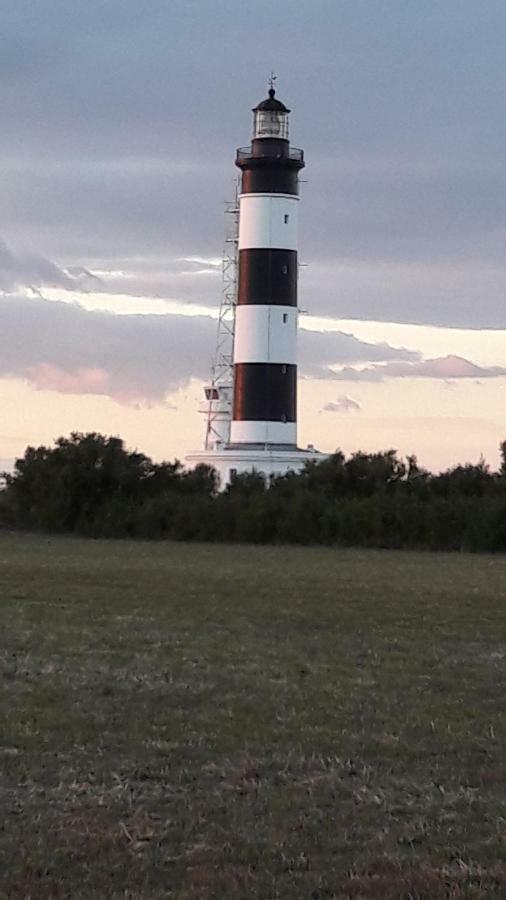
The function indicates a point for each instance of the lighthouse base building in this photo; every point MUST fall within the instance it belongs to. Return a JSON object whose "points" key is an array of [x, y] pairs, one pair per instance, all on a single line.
{"points": [[270, 461], [253, 411]]}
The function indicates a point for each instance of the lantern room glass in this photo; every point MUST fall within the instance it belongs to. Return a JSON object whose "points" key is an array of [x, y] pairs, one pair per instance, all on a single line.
{"points": [[271, 124]]}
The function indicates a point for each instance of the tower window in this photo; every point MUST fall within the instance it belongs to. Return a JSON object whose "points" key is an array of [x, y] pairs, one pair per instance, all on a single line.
{"points": [[284, 270], [286, 217], [283, 370], [285, 318]]}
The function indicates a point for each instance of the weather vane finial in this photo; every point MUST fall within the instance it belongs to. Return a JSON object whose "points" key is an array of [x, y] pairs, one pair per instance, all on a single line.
{"points": [[272, 80]]}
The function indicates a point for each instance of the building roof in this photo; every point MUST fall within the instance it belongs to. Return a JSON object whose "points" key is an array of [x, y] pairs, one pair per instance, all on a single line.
{"points": [[271, 104]]}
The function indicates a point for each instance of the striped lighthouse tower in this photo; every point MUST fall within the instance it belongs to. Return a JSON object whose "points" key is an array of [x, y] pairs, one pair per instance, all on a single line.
{"points": [[265, 345], [258, 430]]}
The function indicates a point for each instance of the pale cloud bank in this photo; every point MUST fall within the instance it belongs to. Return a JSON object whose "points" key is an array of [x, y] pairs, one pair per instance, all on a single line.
{"points": [[136, 358], [445, 367], [140, 358]]}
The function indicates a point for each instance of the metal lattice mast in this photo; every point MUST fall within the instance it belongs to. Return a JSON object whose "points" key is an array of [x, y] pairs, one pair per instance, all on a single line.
{"points": [[220, 393]]}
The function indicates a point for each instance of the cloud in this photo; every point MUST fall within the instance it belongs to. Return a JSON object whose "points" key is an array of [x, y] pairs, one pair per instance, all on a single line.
{"points": [[320, 350], [343, 404], [461, 292], [196, 279], [120, 121], [139, 358], [190, 280], [84, 380], [20, 270], [444, 368], [132, 358], [142, 359]]}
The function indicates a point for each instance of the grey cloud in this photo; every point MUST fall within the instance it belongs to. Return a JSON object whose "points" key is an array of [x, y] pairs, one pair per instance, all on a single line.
{"points": [[427, 252], [465, 294], [33, 270], [137, 358], [78, 210], [60, 346], [444, 368], [398, 209], [343, 404], [360, 79], [120, 120], [319, 350], [193, 281]]}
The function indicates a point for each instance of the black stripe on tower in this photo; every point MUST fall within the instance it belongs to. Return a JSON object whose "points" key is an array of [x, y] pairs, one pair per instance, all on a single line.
{"points": [[265, 392], [270, 180], [267, 277], [268, 167]]}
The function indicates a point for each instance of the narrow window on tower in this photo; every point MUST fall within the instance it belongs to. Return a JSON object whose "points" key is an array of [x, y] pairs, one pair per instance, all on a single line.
{"points": [[284, 270], [283, 370], [286, 218], [285, 318]]}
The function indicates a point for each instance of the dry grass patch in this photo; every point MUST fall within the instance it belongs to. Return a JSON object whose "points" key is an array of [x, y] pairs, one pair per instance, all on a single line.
{"points": [[268, 723]]}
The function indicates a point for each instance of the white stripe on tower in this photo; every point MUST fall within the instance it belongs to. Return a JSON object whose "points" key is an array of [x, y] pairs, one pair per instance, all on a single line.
{"points": [[268, 221], [265, 334]]}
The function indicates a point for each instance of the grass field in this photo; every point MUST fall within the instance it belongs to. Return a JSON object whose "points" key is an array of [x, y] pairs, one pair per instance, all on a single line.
{"points": [[196, 721]]}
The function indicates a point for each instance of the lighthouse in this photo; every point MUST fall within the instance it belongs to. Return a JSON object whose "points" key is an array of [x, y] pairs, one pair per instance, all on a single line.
{"points": [[255, 406], [265, 346]]}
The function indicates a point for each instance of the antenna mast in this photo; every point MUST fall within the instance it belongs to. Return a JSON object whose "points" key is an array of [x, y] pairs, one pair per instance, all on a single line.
{"points": [[219, 393]]}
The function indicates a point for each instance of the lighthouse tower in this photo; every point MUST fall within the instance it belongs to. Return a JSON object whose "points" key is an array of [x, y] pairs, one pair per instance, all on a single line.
{"points": [[265, 346], [263, 427]]}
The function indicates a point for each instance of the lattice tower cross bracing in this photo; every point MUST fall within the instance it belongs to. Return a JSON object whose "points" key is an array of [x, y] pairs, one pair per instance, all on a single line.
{"points": [[219, 393]]}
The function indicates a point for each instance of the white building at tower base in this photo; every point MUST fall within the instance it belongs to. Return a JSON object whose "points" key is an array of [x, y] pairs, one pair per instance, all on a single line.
{"points": [[231, 461]]}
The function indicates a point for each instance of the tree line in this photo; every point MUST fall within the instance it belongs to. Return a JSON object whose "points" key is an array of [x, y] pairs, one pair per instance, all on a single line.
{"points": [[91, 485]]}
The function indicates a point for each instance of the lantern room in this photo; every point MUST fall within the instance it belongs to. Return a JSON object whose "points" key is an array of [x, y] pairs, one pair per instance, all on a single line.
{"points": [[270, 118]]}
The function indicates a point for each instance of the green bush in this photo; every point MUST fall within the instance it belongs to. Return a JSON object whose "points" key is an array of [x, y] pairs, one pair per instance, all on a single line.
{"points": [[91, 485]]}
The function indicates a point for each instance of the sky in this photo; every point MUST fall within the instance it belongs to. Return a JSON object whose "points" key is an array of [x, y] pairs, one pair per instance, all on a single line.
{"points": [[119, 126]]}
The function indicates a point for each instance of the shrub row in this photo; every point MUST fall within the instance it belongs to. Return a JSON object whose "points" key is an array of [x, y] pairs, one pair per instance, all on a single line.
{"points": [[91, 485]]}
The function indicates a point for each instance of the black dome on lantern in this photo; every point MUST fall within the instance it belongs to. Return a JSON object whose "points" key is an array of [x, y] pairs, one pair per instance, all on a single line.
{"points": [[271, 104]]}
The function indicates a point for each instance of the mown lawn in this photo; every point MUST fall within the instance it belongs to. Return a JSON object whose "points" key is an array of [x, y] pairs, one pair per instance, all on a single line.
{"points": [[189, 721]]}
